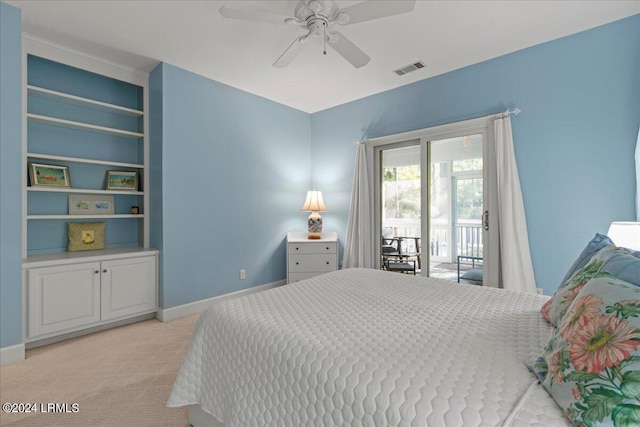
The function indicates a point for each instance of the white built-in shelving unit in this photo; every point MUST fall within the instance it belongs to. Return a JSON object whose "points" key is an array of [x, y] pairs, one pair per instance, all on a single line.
{"points": [[104, 286]]}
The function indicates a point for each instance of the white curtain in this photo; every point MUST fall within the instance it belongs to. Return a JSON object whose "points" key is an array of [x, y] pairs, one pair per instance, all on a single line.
{"points": [[638, 177], [359, 246], [516, 268]]}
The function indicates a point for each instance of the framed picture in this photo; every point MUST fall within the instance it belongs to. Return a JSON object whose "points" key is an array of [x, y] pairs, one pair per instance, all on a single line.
{"points": [[49, 175], [90, 205], [122, 180], [85, 236]]}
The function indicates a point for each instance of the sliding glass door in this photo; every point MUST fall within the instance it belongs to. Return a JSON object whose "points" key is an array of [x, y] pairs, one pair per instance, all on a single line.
{"points": [[430, 196], [400, 189], [456, 208]]}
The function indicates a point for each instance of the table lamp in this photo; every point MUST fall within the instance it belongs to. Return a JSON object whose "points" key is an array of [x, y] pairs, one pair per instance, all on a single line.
{"points": [[314, 203], [625, 234]]}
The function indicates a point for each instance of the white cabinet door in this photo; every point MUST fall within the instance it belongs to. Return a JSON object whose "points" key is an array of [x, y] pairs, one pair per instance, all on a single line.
{"points": [[63, 298], [128, 287]]}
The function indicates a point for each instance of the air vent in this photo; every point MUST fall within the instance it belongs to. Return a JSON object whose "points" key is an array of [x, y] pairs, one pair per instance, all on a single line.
{"points": [[409, 68]]}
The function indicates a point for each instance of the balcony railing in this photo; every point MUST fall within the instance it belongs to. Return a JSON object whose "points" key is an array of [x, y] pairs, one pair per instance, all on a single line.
{"points": [[469, 239], [468, 236], [394, 227], [439, 242]]}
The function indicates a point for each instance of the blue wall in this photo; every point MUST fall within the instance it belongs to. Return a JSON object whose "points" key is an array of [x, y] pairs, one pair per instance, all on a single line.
{"points": [[10, 172], [235, 171], [574, 141]]}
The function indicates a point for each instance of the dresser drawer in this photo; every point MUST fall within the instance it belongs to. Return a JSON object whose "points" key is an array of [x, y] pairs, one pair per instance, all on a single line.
{"points": [[299, 263], [296, 277], [313, 248]]}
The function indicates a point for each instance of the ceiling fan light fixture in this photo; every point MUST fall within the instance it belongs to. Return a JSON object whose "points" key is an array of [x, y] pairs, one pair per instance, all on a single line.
{"points": [[332, 37], [342, 18], [292, 21]]}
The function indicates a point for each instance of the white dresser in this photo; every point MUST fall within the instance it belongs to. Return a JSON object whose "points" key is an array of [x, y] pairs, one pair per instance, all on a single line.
{"points": [[310, 257]]}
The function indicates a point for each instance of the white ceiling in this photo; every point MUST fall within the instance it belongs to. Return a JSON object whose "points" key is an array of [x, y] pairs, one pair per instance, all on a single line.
{"points": [[446, 35]]}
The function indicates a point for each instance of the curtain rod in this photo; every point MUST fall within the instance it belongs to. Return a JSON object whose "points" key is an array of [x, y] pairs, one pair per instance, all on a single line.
{"points": [[507, 113], [502, 115]]}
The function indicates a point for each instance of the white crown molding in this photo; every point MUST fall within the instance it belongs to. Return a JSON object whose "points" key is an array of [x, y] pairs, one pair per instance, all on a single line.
{"points": [[169, 314], [56, 52], [11, 354]]}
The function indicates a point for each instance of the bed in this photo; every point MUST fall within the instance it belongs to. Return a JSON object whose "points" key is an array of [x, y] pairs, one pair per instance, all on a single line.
{"points": [[362, 347]]}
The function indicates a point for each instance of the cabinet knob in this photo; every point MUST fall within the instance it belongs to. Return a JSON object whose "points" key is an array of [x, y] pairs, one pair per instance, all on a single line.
{"points": [[104, 271], [327, 247], [327, 262], [297, 263], [97, 271], [297, 248]]}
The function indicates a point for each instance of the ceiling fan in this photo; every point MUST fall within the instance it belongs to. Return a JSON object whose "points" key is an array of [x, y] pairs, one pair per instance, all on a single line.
{"points": [[319, 18]]}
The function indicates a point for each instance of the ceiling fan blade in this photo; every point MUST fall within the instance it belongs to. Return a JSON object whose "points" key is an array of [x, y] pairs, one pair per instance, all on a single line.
{"points": [[291, 52], [348, 50], [250, 15], [369, 10]]}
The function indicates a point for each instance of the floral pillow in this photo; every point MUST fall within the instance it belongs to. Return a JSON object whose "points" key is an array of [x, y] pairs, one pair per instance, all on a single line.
{"points": [[555, 308], [594, 246], [591, 366]]}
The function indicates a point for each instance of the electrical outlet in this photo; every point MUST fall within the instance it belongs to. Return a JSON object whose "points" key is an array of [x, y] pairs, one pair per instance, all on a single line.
{"points": [[243, 274]]}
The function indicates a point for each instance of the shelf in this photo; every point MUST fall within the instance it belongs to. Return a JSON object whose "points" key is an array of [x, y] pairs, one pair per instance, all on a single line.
{"points": [[60, 258], [82, 126], [85, 191], [112, 216], [83, 102], [82, 160]]}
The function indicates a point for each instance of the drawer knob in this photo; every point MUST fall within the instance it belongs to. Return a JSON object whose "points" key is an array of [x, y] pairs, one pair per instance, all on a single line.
{"points": [[327, 247], [327, 262], [97, 271], [297, 263], [104, 271], [297, 248]]}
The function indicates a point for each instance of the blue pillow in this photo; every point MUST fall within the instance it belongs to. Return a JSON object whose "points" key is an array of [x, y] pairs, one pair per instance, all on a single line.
{"points": [[599, 242], [473, 274], [623, 264]]}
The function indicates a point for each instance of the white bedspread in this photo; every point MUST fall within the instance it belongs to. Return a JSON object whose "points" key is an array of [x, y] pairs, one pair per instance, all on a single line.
{"points": [[369, 348]]}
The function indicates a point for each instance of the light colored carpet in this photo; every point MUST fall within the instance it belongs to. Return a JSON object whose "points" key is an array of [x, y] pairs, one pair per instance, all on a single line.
{"points": [[119, 377]]}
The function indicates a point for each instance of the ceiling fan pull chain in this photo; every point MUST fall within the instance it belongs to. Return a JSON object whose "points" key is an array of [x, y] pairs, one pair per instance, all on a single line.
{"points": [[324, 38]]}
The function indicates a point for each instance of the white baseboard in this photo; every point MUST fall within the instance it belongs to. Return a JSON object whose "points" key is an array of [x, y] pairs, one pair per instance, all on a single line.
{"points": [[168, 314], [11, 354]]}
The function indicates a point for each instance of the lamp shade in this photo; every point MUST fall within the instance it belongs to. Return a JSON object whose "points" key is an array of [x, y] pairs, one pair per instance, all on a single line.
{"points": [[625, 234], [314, 202]]}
